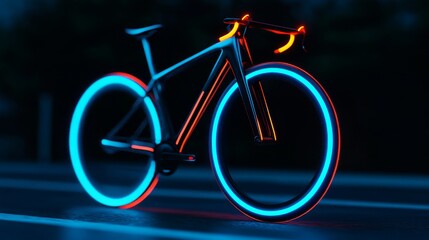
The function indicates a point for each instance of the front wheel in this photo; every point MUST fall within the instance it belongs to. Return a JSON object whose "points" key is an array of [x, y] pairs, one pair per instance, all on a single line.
{"points": [[283, 179]]}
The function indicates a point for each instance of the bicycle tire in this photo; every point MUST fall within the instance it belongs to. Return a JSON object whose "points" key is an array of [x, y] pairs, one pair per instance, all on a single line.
{"points": [[135, 87], [309, 197]]}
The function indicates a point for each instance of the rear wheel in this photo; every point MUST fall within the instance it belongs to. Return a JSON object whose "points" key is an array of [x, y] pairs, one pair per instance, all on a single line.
{"points": [[100, 149], [284, 179]]}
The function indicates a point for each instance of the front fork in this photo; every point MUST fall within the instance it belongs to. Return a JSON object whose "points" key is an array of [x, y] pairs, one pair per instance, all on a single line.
{"points": [[253, 96]]}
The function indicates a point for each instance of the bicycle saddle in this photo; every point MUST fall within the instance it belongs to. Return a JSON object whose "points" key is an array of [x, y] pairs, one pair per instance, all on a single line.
{"points": [[143, 32]]}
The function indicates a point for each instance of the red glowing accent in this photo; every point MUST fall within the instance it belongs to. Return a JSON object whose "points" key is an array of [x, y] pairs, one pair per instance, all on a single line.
{"points": [[143, 148], [277, 31], [247, 49], [338, 151], [189, 118], [143, 196], [337, 157], [203, 106], [245, 16], [301, 29], [268, 112], [259, 130], [190, 158], [129, 76]]}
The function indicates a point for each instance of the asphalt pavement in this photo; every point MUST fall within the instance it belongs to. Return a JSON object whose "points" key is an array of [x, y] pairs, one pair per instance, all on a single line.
{"points": [[45, 201]]}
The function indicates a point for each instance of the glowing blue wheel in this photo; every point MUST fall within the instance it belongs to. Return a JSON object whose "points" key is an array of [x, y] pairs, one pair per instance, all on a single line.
{"points": [[109, 111], [286, 177]]}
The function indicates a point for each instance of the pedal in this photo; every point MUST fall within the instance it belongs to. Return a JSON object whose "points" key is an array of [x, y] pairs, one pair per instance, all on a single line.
{"points": [[178, 157]]}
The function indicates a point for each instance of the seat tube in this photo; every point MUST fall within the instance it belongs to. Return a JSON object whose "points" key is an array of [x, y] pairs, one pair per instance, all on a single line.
{"points": [[148, 54]]}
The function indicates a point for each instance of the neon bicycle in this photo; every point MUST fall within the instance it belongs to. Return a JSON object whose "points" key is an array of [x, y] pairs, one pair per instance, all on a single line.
{"points": [[251, 114]]}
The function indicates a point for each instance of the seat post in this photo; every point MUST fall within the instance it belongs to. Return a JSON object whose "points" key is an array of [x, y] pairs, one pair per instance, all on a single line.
{"points": [[143, 34], [148, 54]]}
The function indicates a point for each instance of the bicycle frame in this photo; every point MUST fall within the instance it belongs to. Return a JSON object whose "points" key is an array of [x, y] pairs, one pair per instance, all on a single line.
{"points": [[164, 146], [229, 59]]}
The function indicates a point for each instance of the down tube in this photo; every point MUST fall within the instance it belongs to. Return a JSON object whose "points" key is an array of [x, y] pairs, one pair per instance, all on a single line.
{"points": [[210, 88]]}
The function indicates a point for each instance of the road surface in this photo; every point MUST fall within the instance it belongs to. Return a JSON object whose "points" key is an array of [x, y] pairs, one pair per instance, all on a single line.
{"points": [[47, 202]]}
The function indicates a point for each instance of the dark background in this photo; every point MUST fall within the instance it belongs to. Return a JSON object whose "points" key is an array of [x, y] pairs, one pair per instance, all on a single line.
{"points": [[371, 56]]}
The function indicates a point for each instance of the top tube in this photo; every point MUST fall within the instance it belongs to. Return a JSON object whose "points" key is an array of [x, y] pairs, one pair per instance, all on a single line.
{"points": [[219, 46]]}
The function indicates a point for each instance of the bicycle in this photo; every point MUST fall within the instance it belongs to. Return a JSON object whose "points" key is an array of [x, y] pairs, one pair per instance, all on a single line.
{"points": [[153, 140]]}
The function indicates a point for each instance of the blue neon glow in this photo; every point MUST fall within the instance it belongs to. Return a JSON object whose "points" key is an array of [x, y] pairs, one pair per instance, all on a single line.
{"points": [[74, 139], [328, 153], [136, 31], [148, 55], [111, 143]]}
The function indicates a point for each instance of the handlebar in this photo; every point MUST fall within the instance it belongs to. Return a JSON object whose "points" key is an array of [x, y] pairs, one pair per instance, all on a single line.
{"points": [[249, 23]]}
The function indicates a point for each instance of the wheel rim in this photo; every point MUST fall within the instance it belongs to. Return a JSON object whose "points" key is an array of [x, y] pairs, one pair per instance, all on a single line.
{"points": [[75, 142], [322, 176]]}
